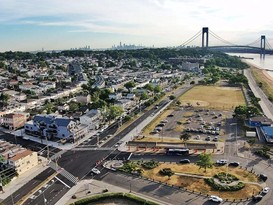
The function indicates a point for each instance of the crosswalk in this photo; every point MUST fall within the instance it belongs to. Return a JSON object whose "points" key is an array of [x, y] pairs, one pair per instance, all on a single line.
{"points": [[63, 172]]}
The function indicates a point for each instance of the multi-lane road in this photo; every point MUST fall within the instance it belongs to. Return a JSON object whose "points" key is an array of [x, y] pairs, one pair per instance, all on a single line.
{"points": [[76, 164]]}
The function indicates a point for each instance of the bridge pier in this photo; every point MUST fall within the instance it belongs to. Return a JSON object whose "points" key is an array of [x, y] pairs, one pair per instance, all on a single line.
{"points": [[263, 44], [205, 30]]}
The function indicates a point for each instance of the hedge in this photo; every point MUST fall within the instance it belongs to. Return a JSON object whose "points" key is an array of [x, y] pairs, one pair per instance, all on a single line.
{"points": [[220, 187], [101, 197]]}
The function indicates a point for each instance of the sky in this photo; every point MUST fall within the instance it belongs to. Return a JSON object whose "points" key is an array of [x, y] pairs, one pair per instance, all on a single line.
{"points": [[30, 25]]}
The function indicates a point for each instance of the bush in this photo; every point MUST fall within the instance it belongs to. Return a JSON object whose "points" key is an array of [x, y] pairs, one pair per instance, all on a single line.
{"points": [[166, 172], [91, 200], [219, 187], [262, 153], [149, 164], [226, 177]]}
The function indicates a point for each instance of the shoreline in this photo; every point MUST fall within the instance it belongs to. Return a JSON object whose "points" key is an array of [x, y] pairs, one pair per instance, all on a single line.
{"points": [[264, 71]]}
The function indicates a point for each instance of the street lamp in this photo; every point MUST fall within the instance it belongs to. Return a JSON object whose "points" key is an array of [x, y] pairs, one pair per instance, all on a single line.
{"points": [[45, 200]]}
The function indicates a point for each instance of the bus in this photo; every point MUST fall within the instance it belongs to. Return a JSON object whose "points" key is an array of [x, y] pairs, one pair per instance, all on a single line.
{"points": [[178, 151]]}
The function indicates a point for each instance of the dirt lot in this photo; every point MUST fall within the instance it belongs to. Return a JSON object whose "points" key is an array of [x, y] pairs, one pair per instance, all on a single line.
{"points": [[213, 97]]}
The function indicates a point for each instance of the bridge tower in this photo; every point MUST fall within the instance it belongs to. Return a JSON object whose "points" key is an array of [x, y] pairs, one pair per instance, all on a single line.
{"points": [[262, 44], [205, 30]]}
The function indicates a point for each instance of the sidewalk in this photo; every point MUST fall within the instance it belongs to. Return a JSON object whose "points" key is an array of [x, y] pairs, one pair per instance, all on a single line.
{"points": [[59, 145], [20, 181], [87, 188]]}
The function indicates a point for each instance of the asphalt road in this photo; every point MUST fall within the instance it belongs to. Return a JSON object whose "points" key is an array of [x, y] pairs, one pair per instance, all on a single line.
{"points": [[78, 163]]}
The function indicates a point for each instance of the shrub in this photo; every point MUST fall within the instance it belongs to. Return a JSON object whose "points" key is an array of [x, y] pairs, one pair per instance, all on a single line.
{"points": [[226, 177], [91, 200], [219, 187], [262, 153], [149, 164], [166, 172]]}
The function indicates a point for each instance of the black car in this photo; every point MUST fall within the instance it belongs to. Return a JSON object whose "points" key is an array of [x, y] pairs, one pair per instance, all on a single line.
{"points": [[263, 177], [170, 115], [234, 164], [185, 161], [257, 198]]}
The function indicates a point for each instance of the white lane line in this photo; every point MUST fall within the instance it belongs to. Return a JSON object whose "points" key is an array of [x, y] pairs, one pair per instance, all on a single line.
{"points": [[62, 182]]}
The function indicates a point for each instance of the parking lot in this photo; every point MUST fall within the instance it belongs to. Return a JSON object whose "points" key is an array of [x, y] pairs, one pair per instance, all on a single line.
{"points": [[202, 124]]}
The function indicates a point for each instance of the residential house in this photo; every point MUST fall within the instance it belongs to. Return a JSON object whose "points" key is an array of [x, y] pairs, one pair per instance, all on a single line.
{"points": [[92, 119], [83, 99], [21, 159], [14, 121], [54, 126]]}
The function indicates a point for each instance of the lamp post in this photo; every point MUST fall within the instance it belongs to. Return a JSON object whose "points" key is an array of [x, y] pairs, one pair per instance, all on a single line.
{"points": [[130, 187], [44, 199]]}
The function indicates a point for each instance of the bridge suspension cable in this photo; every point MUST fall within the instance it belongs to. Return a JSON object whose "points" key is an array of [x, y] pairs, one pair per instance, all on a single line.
{"points": [[221, 39], [191, 39], [254, 42], [268, 45]]}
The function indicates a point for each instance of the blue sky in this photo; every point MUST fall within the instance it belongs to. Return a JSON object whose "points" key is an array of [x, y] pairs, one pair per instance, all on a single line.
{"points": [[30, 25]]}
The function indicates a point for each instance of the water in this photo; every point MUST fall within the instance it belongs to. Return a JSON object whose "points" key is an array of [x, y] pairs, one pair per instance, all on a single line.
{"points": [[265, 62]]}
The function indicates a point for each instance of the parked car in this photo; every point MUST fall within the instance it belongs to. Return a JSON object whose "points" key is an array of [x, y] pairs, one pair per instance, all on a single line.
{"points": [[95, 171], [185, 161], [221, 161], [234, 164], [197, 137], [263, 177], [257, 198], [207, 138], [265, 190], [215, 199], [215, 139]]}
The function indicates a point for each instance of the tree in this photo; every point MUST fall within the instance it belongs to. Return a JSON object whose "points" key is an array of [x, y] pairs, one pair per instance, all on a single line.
{"points": [[73, 106], [4, 98], [205, 161], [171, 97], [115, 111], [157, 89], [149, 87], [129, 85], [185, 136], [144, 96]]}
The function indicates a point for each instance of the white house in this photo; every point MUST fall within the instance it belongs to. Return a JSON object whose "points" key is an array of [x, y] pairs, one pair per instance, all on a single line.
{"points": [[92, 119]]}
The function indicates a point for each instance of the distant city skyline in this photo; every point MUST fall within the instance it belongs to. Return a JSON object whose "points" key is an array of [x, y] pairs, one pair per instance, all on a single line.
{"points": [[29, 25]]}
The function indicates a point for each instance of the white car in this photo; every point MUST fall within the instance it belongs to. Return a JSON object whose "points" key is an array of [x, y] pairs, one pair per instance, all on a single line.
{"points": [[265, 190], [215, 198], [221, 161], [95, 171]]}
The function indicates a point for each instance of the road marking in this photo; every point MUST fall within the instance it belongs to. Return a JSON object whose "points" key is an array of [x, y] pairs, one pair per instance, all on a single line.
{"points": [[62, 182], [52, 191], [25, 198]]}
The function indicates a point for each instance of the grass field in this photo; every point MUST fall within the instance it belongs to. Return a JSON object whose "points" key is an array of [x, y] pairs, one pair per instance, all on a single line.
{"points": [[199, 185], [261, 77], [214, 97]]}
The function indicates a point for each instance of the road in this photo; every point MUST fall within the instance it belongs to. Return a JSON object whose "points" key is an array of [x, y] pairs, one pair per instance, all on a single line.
{"points": [[79, 163], [266, 105]]}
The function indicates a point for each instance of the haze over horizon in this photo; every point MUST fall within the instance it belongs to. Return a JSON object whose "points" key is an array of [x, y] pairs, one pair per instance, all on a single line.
{"points": [[29, 25]]}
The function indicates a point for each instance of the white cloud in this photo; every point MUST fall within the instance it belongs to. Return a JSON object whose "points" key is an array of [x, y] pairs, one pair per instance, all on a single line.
{"points": [[172, 21]]}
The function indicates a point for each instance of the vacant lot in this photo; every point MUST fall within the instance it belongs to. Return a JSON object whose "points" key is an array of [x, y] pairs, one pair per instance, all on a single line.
{"points": [[214, 97], [199, 185]]}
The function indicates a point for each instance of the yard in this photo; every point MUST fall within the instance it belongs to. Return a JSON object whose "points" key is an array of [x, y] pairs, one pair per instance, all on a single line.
{"points": [[199, 185], [213, 97]]}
